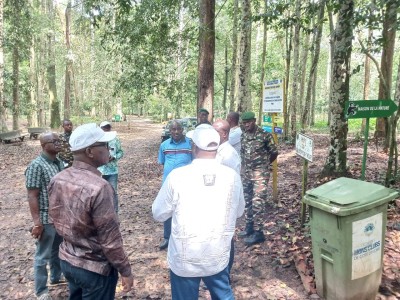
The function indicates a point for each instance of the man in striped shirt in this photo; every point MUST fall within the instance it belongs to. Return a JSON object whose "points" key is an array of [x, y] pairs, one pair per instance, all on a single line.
{"points": [[174, 153]]}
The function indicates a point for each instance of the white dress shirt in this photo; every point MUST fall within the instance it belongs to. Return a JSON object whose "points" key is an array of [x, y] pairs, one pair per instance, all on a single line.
{"points": [[234, 138], [204, 200], [228, 156]]}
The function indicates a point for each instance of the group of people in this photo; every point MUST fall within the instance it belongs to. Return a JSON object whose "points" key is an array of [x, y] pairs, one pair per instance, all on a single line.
{"points": [[75, 224], [211, 176]]}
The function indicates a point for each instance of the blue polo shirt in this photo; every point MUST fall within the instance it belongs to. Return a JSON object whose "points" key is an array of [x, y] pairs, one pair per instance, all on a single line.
{"points": [[174, 155]]}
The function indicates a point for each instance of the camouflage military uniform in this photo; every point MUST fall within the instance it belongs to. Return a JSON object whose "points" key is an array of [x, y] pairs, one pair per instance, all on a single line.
{"points": [[65, 154], [255, 153]]}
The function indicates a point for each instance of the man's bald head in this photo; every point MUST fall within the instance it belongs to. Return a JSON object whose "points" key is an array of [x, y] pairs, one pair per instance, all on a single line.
{"points": [[222, 127], [233, 119], [50, 142]]}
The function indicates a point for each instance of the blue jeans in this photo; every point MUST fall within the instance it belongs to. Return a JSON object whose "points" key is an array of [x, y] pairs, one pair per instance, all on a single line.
{"points": [[167, 228], [113, 180], [187, 288], [46, 253], [87, 285]]}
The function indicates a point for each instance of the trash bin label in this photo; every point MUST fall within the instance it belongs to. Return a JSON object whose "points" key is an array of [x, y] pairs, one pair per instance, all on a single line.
{"points": [[367, 246]]}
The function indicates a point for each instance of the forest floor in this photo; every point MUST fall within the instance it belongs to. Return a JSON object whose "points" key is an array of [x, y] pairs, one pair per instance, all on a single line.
{"points": [[279, 268]]}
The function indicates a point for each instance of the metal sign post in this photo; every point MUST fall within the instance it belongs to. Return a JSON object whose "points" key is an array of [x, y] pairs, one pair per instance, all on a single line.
{"points": [[304, 148]]}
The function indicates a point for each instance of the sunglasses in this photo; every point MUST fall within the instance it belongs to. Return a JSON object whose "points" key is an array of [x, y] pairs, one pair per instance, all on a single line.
{"points": [[55, 142]]}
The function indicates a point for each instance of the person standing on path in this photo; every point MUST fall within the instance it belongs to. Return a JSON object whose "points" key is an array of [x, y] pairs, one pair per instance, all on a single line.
{"points": [[204, 200], [38, 175], [110, 170], [65, 154], [175, 152], [235, 132], [81, 206], [257, 153], [203, 117]]}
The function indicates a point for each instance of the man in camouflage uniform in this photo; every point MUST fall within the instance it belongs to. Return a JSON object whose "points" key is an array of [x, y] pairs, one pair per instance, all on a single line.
{"points": [[65, 155], [258, 151]]}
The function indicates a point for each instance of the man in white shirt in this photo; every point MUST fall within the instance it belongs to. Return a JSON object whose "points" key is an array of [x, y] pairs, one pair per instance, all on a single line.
{"points": [[235, 131], [204, 200], [226, 154]]}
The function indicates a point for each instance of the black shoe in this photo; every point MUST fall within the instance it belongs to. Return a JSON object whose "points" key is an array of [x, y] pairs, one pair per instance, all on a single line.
{"points": [[256, 238], [247, 231], [164, 244]]}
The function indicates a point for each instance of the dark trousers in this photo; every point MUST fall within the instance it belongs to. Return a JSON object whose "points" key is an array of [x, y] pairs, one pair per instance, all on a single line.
{"points": [[87, 285]]}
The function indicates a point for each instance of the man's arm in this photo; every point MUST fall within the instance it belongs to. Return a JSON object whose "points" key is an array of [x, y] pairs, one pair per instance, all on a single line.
{"points": [[33, 201], [162, 206], [119, 153], [161, 156]]}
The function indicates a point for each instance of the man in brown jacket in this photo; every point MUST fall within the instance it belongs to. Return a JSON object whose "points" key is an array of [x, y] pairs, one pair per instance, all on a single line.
{"points": [[81, 206]]}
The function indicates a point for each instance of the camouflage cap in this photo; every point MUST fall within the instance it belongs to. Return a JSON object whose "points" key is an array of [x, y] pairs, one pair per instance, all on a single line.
{"points": [[203, 110], [248, 115]]}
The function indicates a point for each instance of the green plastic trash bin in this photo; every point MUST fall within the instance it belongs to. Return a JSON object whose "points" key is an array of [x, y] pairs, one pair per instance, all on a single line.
{"points": [[348, 223], [117, 118]]}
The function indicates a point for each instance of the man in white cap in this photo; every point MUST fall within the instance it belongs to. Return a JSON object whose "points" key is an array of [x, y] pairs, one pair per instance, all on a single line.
{"points": [[204, 200], [81, 207], [109, 171]]}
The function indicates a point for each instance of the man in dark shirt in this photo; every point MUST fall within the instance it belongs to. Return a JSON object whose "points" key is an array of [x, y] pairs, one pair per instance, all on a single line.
{"points": [[38, 175], [81, 206], [65, 154], [203, 117]]}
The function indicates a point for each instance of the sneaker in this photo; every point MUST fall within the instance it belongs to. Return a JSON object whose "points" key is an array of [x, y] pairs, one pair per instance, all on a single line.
{"points": [[45, 296]]}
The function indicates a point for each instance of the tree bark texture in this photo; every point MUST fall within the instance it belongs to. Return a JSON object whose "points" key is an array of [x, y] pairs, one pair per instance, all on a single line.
{"points": [[15, 89], [295, 81], [244, 92], [385, 83], [263, 62], [3, 125], [317, 46], [68, 64], [205, 79], [367, 75], [234, 73], [337, 157]]}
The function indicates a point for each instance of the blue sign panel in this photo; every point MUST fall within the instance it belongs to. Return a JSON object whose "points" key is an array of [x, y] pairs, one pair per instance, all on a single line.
{"points": [[267, 128], [278, 130]]}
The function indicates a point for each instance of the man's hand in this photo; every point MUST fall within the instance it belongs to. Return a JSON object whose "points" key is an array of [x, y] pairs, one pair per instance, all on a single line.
{"points": [[127, 283], [37, 231]]}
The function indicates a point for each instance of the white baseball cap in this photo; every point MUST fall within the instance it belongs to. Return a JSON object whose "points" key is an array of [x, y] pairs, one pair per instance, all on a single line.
{"points": [[104, 123], [205, 136], [87, 134]]}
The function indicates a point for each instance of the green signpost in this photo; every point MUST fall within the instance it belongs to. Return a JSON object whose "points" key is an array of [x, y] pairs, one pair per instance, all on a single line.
{"points": [[368, 109]]}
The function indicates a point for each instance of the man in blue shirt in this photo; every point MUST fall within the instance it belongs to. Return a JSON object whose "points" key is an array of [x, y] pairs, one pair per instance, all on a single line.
{"points": [[174, 153]]}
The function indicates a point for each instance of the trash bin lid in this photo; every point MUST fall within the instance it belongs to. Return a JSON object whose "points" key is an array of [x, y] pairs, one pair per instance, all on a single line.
{"points": [[347, 196]]}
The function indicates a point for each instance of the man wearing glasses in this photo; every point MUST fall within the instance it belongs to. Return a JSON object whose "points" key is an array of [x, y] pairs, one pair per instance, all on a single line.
{"points": [[82, 208], [38, 175]]}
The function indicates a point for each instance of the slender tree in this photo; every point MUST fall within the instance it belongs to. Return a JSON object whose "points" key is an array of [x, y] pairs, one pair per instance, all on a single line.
{"points": [[234, 73], [205, 81], [3, 125]]}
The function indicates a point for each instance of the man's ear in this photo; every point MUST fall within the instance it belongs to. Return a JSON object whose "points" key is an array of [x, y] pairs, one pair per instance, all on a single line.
{"points": [[88, 152]]}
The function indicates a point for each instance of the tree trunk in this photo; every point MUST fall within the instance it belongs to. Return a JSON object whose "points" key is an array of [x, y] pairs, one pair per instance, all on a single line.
{"points": [[314, 63], [205, 80], [225, 79], [15, 80], [385, 83], [296, 54], [367, 75], [263, 61], [68, 64], [55, 121], [337, 156], [234, 72], [331, 53], [288, 46], [3, 125], [244, 93], [303, 69]]}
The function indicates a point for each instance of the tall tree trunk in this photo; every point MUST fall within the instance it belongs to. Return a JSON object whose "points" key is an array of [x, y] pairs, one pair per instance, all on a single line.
{"points": [[314, 63], [68, 63], [55, 121], [331, 53], [32, 113], [15, 80], [288, 46], [226, 75], [234, 73], [303, 68], [294, 92], [391, 173], [385, 83], [3, 125], [205, 79], [263, 61], [244, 93], [337, 157], [367, 75]]}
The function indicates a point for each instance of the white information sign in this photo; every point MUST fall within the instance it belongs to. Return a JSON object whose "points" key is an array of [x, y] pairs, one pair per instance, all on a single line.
{"points": [[273, 96], [304, 146], [367, 246]]}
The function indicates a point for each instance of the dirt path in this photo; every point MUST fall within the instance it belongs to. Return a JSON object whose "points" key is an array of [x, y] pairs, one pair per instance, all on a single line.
{"points": [[259, 272]]}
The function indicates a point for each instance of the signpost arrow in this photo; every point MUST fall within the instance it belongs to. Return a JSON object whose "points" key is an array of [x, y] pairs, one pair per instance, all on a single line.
{"points": [[369, 109]]}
